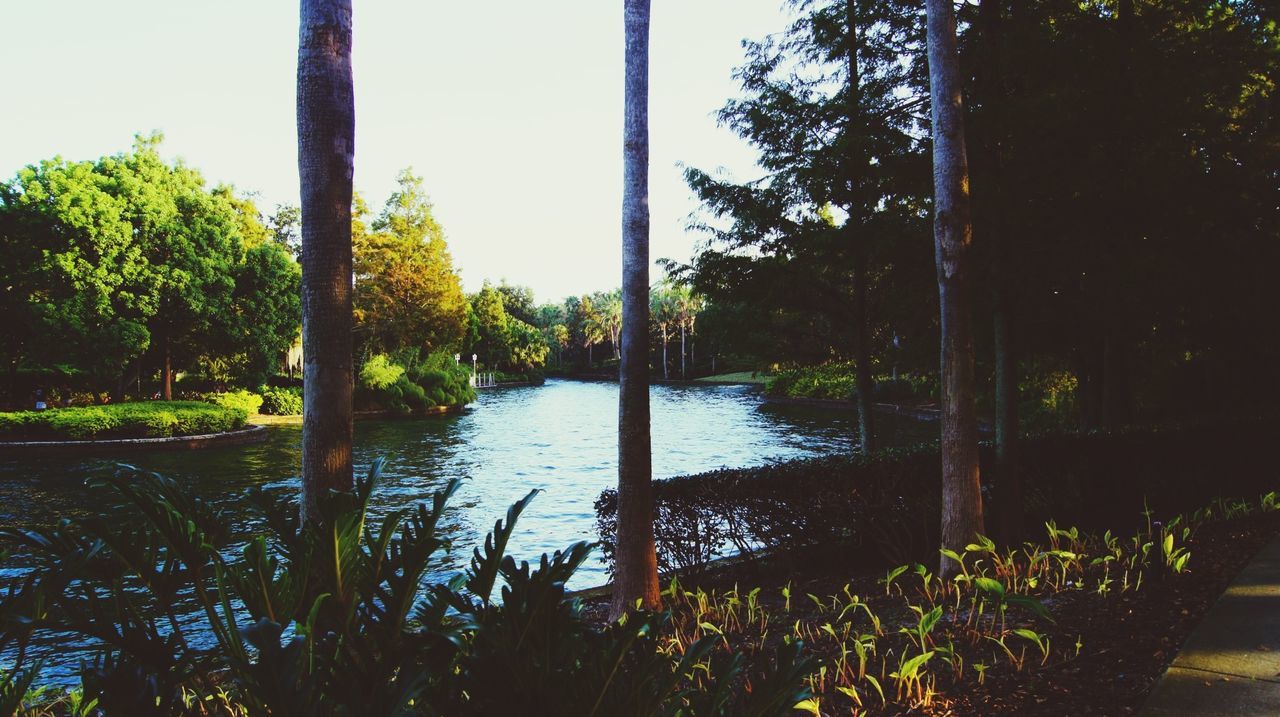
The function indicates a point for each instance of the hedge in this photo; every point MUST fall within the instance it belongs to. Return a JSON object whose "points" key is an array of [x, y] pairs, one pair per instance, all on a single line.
{"points": [[885, 509], [149, 419]]}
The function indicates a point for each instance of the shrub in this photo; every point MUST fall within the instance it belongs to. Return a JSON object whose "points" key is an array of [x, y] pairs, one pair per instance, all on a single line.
{"points": [[146, 419], [886, 507], [240, 400], [337, 622], [832, 381], [380, 373], [285, 401]]}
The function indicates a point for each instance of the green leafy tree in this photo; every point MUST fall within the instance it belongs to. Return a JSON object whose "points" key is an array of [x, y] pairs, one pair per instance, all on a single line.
{"points": [[407, 295]]}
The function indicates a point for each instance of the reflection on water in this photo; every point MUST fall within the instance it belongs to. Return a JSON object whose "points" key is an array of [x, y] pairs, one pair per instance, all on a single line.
{"points": [[560, 438]]}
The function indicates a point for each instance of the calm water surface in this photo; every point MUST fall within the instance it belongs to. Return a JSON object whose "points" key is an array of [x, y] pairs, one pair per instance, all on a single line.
{"points": [[560, 438]]}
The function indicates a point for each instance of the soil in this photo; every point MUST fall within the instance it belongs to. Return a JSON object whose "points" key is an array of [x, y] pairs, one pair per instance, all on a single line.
{"points": [[1127, 638]]}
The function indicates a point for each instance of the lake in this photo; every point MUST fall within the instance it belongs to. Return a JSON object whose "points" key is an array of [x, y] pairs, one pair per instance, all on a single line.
{"points": [[560, 438]]}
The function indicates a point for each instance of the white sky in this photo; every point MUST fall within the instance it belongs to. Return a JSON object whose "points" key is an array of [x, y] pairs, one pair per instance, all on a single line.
{"points": [[510, 109]]}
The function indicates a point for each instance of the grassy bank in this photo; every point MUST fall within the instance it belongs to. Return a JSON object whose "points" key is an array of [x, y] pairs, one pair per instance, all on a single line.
{"points": [[149, 419]]}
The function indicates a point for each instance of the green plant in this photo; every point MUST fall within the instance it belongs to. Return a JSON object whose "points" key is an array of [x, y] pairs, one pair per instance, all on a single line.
{"points": [[147, 419], [338, 619], [241, 400], [284, 401], [379, 372]]}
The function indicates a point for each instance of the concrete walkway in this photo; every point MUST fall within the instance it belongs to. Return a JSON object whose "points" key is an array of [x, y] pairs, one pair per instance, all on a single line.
{"points": [[1230, 665]]}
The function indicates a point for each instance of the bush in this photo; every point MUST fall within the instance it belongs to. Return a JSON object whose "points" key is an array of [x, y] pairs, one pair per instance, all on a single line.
{"points": [[885, 508], [342, 622], [286, 401], [832, 381], [379, 373], [147, 419], [241, 400]]}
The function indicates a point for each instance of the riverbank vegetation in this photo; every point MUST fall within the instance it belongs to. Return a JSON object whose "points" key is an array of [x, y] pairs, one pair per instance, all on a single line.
{"points": [[313, 623], [153, 419]]}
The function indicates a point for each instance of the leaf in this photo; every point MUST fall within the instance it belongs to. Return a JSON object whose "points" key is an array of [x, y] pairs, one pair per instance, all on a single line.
{"points": [[810, 705], [989, 585]]}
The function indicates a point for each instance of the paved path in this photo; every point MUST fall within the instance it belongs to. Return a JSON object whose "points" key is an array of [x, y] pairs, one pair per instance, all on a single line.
{"points": [[1230, 665]]}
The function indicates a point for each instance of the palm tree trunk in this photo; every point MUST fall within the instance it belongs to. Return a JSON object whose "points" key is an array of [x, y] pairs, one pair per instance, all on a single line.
{"points": [[636, 567], [953, 236], [326, 151], [682, 351], [666, 372]]}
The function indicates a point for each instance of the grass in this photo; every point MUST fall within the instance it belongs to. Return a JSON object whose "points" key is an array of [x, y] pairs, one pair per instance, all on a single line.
{"points": [[146, 419], [751, 377]]}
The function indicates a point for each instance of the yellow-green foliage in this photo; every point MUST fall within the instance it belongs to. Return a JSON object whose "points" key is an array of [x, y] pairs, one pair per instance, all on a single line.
{"points": [[242, 400], [150, 419]]}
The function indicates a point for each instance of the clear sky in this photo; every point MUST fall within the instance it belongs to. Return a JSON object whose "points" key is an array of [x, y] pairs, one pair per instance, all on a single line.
{"points": [[510, 109]]}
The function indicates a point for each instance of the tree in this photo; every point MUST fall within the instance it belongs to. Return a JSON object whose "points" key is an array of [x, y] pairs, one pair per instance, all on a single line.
{"points": [[663, 308], [326, 153], [953, 236], [74, 281], [829, 108], [636, 567], [407, 297]]}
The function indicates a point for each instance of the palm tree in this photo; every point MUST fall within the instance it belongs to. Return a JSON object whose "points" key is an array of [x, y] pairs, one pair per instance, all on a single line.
{"points": [[662, 306], [326, 160], [953, 236], [636, 562]]}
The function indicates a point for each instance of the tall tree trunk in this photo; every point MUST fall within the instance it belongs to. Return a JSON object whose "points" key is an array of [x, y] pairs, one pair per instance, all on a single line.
{"points": [[590, 360], [1008, 482], [636, 567], [666, 371], [682, 351], [326, 162], [858, 164], [865, 384], [167, 371], [953, 237]]}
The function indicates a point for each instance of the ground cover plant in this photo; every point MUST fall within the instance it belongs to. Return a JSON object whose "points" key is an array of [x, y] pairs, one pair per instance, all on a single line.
{"points": [[1068, 623], [144, 419], [340, 621]]}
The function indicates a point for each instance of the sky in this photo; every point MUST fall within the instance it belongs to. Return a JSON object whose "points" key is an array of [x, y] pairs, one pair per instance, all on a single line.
{"points": [[511, 110]]}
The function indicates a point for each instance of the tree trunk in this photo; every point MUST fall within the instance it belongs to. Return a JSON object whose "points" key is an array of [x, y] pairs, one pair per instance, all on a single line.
{"points": [[666, 372], [1008, 483], [682, 351], [636, 567], [326, 151], [865, 384], [953, 237], [590, 360], [858, 164], [167, 374]]}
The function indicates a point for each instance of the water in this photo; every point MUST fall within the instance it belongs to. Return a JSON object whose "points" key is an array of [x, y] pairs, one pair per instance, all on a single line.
{"points": [[560, 438]]}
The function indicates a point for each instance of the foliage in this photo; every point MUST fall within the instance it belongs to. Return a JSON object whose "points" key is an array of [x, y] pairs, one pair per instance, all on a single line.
{"points": [[379, 372], [240, 400], [831, 381], [147, 419], [407, 295], [110, 266], [886, 506], [340, 619], [909, 641], [436, 381], [282, 401]]}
